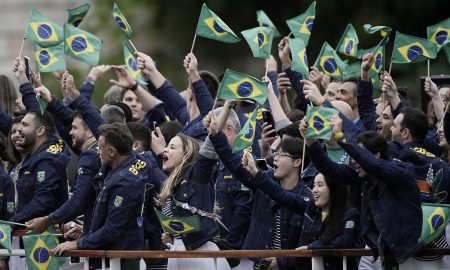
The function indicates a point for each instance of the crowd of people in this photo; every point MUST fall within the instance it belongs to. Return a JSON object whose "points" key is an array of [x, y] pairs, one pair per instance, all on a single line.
{"points": [[155, 168]]}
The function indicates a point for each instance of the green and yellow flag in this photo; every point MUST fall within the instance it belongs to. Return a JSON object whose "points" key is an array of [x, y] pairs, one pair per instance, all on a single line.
{"points": [[81, 45], [260, 40], [439, 33], [37, 252], [329, 62], [179, 225], [446, 48], [76, 15], [377, 66], [385, 32], [318, 119], [43, 31], [212, 27], [247, 134], [435, 218], [302, 25], [348, 45], [299, 58], [131, 64], [264, 20], [352, 70], [236, 85], [5, 236], [409, 49], [49, 59], [121, 21]]}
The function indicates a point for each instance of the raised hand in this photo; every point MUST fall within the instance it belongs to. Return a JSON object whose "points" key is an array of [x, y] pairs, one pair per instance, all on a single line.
{"points": [[336, 124], [367, 61], [283, 83], [431, 88], [68, 85], [124, 78], [158, 141], [303, 126], [96, 72], [19, 70], [388, 87], [284, 52], [45, 93], [145, 63], [315, 75], [249, 163], [191, 65], [312, 92]]}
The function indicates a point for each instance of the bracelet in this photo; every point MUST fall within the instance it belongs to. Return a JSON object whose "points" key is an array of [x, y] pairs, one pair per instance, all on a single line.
{"points": [[90, 79], [134, 87], [339, 135]]}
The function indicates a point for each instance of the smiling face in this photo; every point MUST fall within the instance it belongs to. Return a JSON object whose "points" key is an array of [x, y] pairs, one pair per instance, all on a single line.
{"points": [[135, 105], [284, 164], [384, 123], [16, 137], [27, 130], [173, 154], [78, 133], [321, 192]]}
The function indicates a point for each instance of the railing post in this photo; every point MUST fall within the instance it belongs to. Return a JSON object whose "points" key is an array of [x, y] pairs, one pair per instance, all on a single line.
{"points": [[114, 263], [103, 264], [344, 263], [317, 263], [86, 263]]}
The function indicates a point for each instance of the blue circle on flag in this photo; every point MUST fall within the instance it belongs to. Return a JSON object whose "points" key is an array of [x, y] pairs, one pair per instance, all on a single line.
{"points": [[378, 61], [218, 28], [265, 25], [249, 134], [176, 226], [261, 39], [414, 52], [1, 234], [132, 64], [120, 23], [349, 47], [437, 221], [44, 57], [79, 44], [41, 255], [245, 89], [44, 31], [310, 24], [441, 37], [330, 65], [318, 123], [305, 59]]}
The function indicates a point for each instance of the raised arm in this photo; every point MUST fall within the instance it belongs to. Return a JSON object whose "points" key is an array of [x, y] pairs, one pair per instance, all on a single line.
{"points": [[366, 106]]}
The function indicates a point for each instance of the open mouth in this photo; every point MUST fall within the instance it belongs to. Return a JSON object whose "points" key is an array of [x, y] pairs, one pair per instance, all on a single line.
{"points": [[164, 158]]}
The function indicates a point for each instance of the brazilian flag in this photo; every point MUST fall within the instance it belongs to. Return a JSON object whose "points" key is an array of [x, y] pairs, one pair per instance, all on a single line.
{"points": [[131, 64], [81, 45], [37, 252], [43, 31], [446, 48], [299, 57], [212, 27], [329, 62], [352, 70], [265, 21], [439, 33], [76, 15], [121, 21], [260, 40], [385, 32], [247, 134], [5, 236], [236, 85], [318, 119], [49, 59], [348, 45], [178, 225], [377, 66], [409, 49], [302, 25], [435, 218]]}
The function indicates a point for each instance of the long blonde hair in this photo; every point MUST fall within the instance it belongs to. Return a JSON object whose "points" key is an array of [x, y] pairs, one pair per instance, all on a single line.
{"points": [[190, 153]]}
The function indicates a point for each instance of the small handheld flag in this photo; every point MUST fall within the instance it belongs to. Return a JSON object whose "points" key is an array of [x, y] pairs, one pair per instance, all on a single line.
{"points": [[211, 26], [247, 134], [178, 225], [76, 15], [120, 20], [81, 45], [302, 25], [5, 236], [260, 40], [37, 252], [329, 62], [299, 58], [348, 45], [318, 119], [409, 49], [264, 20], [49, 59], [435, 218], [236, 85], [385, 32], [131, 64], [439, 33], [42, 30], [42, 104], [377, 66]]}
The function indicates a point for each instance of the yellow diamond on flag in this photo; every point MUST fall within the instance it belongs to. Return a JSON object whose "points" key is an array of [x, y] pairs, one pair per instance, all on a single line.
{"points": [[260, 39], [245, 88], [40, 255], [215, 26], [79, 44], [329, 66], [411, 51], [44, 31]]}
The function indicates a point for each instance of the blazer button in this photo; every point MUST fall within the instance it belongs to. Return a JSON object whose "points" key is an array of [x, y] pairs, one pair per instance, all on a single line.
{"points": [[185, 195]]}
